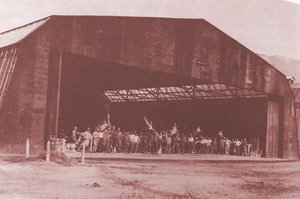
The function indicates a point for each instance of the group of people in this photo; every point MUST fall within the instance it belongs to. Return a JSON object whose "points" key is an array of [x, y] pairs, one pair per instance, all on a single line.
{"points": [[106, 138]]}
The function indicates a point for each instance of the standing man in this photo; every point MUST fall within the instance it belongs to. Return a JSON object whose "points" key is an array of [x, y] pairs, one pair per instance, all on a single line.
{"points": [[119, 140], [126, 142], [157, 137], [113, 139], [96, 138], [219, 139], [169, 143], [86, 139], [244, 147], [136, 143], [190, 143], [227, 146], [74, 134], [209, 145], [237, 145]]}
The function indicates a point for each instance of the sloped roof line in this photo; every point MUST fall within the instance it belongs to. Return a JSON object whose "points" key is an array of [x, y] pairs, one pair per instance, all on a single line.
{"points": [[18, 34], [28, 24]]}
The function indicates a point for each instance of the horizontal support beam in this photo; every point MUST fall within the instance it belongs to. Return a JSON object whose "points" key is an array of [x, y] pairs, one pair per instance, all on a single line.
{"points": [[189, 92]]}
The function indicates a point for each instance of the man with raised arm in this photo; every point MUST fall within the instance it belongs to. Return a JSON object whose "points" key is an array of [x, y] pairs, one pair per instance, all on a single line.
{"points": [[156, 137], [174, 130], [105, 124], [149, 124]]}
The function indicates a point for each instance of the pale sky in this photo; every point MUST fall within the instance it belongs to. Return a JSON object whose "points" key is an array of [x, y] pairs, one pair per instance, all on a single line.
{"points": [[270, 27]]}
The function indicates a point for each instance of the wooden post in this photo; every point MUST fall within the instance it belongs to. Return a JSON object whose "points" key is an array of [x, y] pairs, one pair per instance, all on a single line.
{"points": [[48, 152], [91, 145], [83, 152], [63, 145], [27, 148], [58, 93]]}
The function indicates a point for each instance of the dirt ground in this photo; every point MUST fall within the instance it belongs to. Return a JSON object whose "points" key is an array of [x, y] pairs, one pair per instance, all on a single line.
{"points": [[146, 179]]}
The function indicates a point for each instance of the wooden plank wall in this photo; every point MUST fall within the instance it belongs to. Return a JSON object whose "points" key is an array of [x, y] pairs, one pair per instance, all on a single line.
{"points": [[51, 113], [272, 129]]}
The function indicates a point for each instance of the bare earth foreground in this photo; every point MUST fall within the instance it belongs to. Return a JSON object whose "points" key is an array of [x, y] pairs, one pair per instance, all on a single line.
{"points": [[209, 177]]}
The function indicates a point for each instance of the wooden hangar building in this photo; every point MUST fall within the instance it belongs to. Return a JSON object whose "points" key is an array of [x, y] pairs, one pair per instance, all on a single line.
{"points": [[66, 71]]}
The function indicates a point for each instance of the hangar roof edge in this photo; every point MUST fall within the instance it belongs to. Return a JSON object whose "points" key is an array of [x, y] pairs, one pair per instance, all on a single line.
{"points": [[115, 16], [17, 34]]}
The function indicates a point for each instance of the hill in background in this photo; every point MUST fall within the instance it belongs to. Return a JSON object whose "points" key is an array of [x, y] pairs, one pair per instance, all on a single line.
{"points": [[287, 66]]}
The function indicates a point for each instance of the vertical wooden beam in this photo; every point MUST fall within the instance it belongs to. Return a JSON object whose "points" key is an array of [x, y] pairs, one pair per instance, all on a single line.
{"points": [[58, 93], [27, 148], [272, 129], [83, 153], [48, 151]]}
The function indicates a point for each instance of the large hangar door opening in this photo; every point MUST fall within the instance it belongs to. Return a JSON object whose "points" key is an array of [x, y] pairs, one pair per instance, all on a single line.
{"points": [[83, 102], [83, 82], [238, 118]]}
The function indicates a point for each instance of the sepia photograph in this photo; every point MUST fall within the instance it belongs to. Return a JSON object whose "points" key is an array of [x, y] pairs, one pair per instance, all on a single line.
{"points": [[149, 99]]}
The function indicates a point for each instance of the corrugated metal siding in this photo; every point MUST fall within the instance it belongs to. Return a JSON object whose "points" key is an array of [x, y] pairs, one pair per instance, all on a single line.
{"points": [[8, 59]]}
